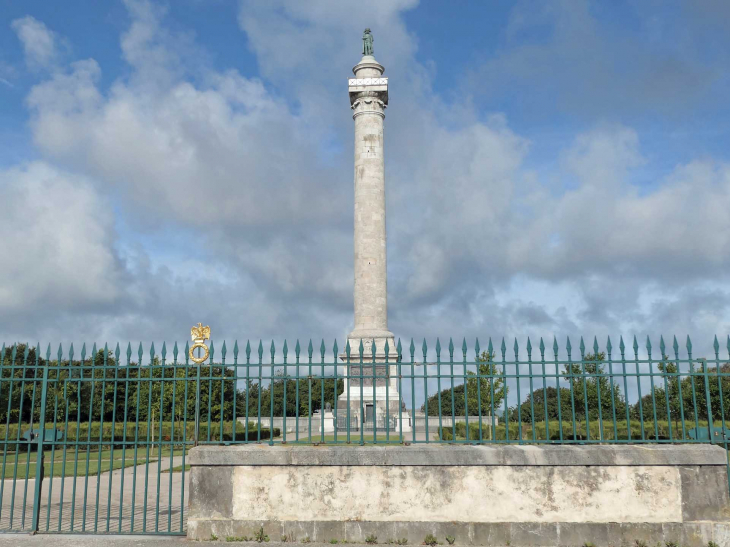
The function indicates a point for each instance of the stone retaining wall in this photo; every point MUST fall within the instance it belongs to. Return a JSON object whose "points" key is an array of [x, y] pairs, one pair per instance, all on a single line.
{"points": [[480, 495]]}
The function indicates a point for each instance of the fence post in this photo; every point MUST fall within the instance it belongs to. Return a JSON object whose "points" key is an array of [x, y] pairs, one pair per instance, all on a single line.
{"points": [[39, 457]]}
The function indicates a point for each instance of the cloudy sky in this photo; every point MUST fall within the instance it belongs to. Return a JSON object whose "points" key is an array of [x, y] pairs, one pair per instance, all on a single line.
{"points": [[552, 168]]}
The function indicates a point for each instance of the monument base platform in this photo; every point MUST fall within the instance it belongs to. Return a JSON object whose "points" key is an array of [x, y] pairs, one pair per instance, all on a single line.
{"points": [[480, 495]]}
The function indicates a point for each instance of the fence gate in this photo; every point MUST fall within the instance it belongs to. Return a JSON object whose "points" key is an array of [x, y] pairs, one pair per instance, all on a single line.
{"points": [[95, 445]]}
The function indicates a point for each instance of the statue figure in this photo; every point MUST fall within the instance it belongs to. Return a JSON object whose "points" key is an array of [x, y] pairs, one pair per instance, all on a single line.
{"points": [[367, 42]]}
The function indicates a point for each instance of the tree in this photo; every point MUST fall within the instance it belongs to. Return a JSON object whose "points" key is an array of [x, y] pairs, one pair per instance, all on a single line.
{"points": [[484, 391], [589, 385]]}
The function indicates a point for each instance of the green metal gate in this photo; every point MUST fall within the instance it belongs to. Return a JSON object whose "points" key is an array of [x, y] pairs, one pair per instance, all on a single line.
{"points": [[86, 448]]}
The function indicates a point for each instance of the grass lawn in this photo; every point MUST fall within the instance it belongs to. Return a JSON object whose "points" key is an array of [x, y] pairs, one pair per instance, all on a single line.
{"points": [[80, 469]]}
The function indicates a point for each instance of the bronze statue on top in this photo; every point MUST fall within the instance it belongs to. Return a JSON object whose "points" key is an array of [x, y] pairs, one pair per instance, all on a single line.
{"points": [[367, 42]]}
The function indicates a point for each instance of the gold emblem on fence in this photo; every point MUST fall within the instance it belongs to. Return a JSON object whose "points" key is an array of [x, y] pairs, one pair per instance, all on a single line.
{"points": [[199, 334]]}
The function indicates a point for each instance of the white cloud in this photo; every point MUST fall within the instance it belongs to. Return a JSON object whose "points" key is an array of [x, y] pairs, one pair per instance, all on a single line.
{"points": [[41, 45], [57, 241]]}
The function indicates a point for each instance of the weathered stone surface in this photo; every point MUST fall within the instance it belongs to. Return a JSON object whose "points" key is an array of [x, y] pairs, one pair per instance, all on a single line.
{"points": [[705, 493], [211, 492], [523, 495], [448, 494], [560, 534], [442, 455]]}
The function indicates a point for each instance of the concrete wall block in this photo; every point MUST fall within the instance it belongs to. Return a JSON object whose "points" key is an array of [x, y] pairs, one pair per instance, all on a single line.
{"points": [[531, 534], [705, 494], [211, 492]]}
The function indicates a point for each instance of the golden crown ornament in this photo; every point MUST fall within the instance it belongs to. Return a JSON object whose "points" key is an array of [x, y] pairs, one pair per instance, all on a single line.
{"points": [[199, 334]]}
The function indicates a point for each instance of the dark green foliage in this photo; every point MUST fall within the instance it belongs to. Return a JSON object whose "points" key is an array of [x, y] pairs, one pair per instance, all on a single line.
{"points": [[587, 381], [693, 389], [292, 386], [431, 540], [371, 539], [478, 390]]}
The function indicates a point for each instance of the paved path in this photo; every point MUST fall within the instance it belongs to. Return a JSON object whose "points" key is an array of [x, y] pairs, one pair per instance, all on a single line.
{"points": [[123, 500]]}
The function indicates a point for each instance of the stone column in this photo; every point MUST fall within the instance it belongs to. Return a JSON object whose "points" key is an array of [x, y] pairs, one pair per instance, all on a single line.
{"points": [[369, 98]]}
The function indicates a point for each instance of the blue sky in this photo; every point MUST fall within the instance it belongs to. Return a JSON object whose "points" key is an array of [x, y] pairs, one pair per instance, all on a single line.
{"points": [[552, 168]]}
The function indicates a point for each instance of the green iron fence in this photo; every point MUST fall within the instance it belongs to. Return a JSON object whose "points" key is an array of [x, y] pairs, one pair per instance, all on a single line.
{"points": [[97, 442]]}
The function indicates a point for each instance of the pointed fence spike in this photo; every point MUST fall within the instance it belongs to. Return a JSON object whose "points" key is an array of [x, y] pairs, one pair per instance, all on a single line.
{"points": [[621, 345], [609, 347], [187, 352], [235, 349], [662, 347], [223, 350], [582, 346], [567, 344], [14, 352], [503, 348], [438, 346], [174, 351], [387, 347], [516, 347], [716, 345], [272, 349], [164, 350], [322, 349], [26, 352], [48, 352], [490, 347], [728, 345], [542, 346], [60, 352], [636, 345], [211, 352], [348, 349], [261, 349], [451, 347], [248, 349], [285, 349], [129, 350], [689, 344], [463, 347], [399, 348], [675, 345], [83, 351], [297, 349], [360, 349], [648, 344], [412, 348], [373, 349], [477, 349], [556, 348], [335, 349], [152, 353], [310, 349], [529, 346], [595, 346], [424, 348]]}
